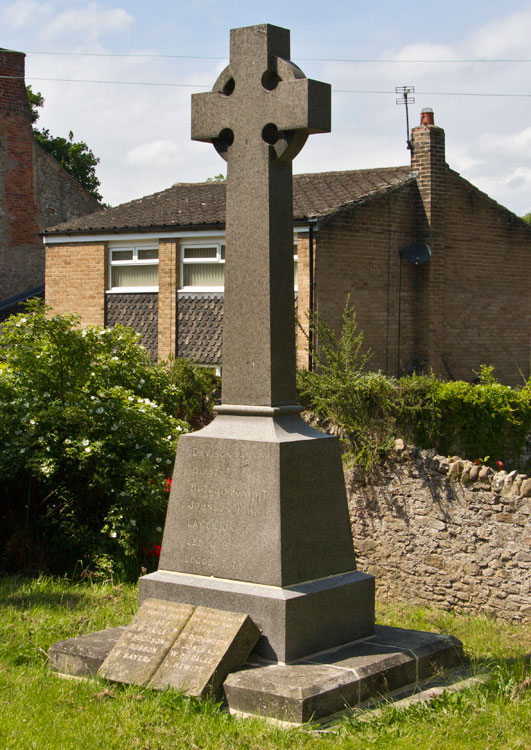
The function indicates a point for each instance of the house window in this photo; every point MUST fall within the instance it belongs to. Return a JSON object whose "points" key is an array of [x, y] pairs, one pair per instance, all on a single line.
{"points": [[203, 267], [134, 268]]}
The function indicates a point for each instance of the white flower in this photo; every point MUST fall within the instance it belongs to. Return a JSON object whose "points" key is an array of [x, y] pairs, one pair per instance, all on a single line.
{"points": [[32, 421], [141, 381], [22, 450], [88, 449], [113, 534], [158, 460], [114, 427], [148, 455], [46, 394], [168, 461], [159, 528], [85, 442], [133, 522], [68, 441], [99, 410]]}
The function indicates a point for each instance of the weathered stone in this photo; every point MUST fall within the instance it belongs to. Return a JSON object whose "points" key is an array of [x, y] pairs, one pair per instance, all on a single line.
{"points": [[84, 655], [486, 473], [525, 489], [212, 644], [343, 677], [474, 473], [455, 468], [143, 645]]}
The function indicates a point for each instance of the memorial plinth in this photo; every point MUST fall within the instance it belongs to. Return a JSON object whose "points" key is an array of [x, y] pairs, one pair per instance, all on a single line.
{"points": [[257, 519]]}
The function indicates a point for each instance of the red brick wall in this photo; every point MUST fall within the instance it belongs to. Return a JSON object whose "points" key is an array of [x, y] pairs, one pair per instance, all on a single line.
{"points": [[486, 300], [21, 252], [358, 254]]}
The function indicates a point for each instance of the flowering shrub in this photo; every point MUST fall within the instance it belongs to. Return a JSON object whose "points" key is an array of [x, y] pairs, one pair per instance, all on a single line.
{"points": [[88, 432]]}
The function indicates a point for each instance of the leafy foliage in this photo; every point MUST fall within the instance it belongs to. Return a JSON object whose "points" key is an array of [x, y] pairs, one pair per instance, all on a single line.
{"points": [[369, 410], [74, 156], [88, 432]]}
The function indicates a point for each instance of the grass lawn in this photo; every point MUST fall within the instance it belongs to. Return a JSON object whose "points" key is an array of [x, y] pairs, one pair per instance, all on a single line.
{"points": [[39, 710]]}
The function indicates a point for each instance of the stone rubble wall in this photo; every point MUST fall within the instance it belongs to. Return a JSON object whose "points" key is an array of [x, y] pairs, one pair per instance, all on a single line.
{"points": [[446, 532]]}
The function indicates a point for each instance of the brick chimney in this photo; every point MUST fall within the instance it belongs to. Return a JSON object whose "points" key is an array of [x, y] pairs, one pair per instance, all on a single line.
{"points": [[429, 164], [21, 251]]}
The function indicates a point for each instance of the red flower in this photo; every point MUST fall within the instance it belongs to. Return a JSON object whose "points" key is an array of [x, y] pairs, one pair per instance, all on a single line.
{"points": [[499, 464], [154, 551], [167, 484]]}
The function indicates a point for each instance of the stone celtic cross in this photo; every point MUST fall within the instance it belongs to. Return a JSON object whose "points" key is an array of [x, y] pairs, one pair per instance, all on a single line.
{"points": [[258, 116]]}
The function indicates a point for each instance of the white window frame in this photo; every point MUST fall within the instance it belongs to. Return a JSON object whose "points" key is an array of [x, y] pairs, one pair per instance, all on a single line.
{"points": [[217, 243], [135, 247]]}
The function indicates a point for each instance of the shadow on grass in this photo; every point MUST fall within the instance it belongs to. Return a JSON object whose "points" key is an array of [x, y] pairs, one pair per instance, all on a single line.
{"points": [[18, 592]]}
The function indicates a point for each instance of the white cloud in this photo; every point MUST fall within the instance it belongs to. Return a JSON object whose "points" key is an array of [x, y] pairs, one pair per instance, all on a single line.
{"points": [[93, 20], [24, 13], [503, 36], [153, 153]]}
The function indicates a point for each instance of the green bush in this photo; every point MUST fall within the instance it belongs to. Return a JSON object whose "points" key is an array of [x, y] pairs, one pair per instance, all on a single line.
{"points": [[88, 432], [487, 421]]}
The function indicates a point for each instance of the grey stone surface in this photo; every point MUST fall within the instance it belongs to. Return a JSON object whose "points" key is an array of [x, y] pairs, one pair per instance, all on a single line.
{"points": [[274, 482], [144, 644], [295, 620], [212, 644], [84, 655], [330, 682], [257, 520], [258, 117]]}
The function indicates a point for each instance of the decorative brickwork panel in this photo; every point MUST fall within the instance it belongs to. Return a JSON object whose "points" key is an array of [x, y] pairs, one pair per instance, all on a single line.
{"points": [[136, 310], [199, 327]]}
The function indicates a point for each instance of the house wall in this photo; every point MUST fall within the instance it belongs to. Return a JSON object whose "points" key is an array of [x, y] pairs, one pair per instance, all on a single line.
{"points": [[358, 255], [35, 191], [473, 304], [486, 300], [76, 280]]}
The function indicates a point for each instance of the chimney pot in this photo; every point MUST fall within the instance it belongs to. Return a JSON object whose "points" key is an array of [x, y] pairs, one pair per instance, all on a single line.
{"points": [[427, 117]]}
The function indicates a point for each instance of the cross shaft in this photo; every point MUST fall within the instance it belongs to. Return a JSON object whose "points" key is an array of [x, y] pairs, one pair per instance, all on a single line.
{"points": [[258, 117]]}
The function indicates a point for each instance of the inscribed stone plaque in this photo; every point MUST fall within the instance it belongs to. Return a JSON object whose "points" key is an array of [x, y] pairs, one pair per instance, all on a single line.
{"points": [[212, 644], [145, 642]]}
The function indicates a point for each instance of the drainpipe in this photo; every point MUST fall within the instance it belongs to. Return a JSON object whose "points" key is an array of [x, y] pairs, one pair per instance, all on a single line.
{"points": [[313, 226]]}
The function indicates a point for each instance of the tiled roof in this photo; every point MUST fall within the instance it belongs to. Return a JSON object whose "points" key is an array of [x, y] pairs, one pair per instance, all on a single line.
{"points": [[202, 204]]}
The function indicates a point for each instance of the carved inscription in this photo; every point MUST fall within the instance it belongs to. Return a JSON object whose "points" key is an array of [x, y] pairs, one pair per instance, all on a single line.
{"points": [[212, 644], [145, 642]]}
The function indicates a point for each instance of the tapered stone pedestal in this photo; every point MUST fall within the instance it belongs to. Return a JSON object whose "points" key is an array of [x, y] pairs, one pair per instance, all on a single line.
{"points": [[258, 523]]}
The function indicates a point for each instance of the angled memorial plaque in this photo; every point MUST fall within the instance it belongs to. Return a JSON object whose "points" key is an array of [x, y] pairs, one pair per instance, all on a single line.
{"points": [[144, 644], [211, 645]]}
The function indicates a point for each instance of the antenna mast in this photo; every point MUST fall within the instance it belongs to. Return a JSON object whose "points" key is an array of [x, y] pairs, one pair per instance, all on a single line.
{"points": [[405, 99]]}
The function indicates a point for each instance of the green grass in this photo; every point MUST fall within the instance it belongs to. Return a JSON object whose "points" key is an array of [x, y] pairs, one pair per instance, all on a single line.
{"points": [[39, 710]]}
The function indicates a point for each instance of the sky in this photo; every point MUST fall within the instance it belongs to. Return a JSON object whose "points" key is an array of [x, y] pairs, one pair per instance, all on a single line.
{"points": [[145, 59]]}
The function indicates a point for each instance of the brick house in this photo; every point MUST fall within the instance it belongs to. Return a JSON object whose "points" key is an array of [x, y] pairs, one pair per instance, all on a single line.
{"points": [[157, 264], [35, 191]]}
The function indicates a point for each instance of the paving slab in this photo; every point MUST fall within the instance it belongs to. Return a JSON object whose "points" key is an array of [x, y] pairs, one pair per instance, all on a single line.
{"points": [[327, 683], [83, 656]]}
